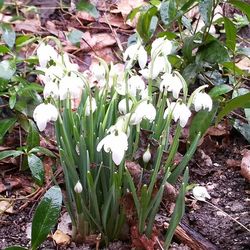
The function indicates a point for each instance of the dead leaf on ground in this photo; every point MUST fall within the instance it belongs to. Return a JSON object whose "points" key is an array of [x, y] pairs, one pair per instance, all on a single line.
{"points": [[65, 224], [220, 130], [6, 207], [52, 28], [233, 163], [245, 165], [244, 64], [9, 184], [61, 238], [29, 25]]}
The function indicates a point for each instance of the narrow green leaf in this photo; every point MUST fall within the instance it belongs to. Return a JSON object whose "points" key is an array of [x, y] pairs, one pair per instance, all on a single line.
{"points": [[12, 100], [1, 4], [8, 34], [5, 125], [15, 248], [33, 138], [46, 216], [42, 150], [4, 49], [84, 5], [36, 167], [220, 90], [242, 101], [206, 7], [10, 153], [201, 122], [230, 33], [242, 6]]}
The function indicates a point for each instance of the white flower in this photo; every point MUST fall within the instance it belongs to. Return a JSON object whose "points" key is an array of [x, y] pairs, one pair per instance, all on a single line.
{"points": [[46, 53], [136, 52], [146, 156], [116, 143], [68, 65], [202, 101], [90, 105], [200, 193], [78, 187], [179, 111], [171, 83], [44, 113], [98, 70], [116, 73], [161, 45], [72, 85], [51, 89], [122, 106], [144, 110]]}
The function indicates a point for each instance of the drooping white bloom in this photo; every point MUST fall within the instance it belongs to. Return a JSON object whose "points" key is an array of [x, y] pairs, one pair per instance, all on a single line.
{"points": [[44, 113], [144, 110], [179, 111], [78, 187], [70, 67], [116, 143], [51, 90], [136, 52], [200, 193], [161, 46], [116, 73], [99, 71], [46, 53], [202, 101], [146, 156], [71, 85], [171, 83], [122, 106], [90, 106]]}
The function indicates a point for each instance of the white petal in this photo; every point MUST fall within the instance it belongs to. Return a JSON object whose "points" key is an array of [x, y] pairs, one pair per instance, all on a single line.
{"points": [[200, 193], [142, 57], [122, 106]]}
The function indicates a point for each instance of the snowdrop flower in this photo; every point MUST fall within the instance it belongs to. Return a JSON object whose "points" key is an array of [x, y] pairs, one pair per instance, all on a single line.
{"points": [[200, 193], [179, 111], [46, 53], [122, 106], [78, 187], [44, 113], [116, 143], [202, 101], [68, 65], [161, 46], [98, 70], [51, 89], [136, 52], [51, 74], [72, 85], [144, 110], [116, 73], [90, 106], [171, 83]]}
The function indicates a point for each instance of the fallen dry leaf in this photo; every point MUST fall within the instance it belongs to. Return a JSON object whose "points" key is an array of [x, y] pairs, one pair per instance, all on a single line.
{"points": [[219, 130], [65, 224], [9, 184], [29, 25], [245, 165], [61, 238], [244, 64], [6, 207], [233, 163]]}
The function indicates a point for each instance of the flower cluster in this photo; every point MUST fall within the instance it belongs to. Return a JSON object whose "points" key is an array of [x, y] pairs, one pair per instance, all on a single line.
{"points": [[137, 103]]}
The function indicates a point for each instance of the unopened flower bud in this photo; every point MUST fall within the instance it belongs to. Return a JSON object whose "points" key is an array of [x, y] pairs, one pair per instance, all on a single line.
{"points": [[146, 156], [78, 187]]}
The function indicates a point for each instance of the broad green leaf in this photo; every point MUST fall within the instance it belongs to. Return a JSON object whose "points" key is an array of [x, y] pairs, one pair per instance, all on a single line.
{"points": [[8, 34], [10, 153], [220, 90], [75, 36], [168, 11], [42, 150], [206, 7], [1, 4], [33, 138], [233, 68], [202, 121], [243, 128], [7, 69], [153, 24], [46, 216], [84, 5], [133, 13], [230, 34], [212, 52], [242, 101], [15, 248], [243, 51], [187, 4], [5, 125], [12, 100], [36, 167], [4, 49], [242, 6]]}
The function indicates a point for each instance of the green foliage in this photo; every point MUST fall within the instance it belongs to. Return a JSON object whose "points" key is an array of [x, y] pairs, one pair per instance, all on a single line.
{"points": [[84, 5], [5, 126], [46, 216]]}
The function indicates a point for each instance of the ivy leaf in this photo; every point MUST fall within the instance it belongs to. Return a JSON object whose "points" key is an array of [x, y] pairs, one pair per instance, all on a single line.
{"points": [[46, 216], [8, 34], [83, 5]]}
